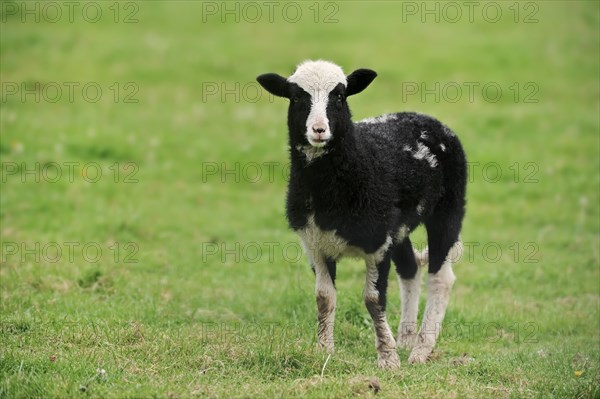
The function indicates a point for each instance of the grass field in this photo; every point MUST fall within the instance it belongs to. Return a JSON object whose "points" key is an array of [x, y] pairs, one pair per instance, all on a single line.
{"points": [[145, 251]]}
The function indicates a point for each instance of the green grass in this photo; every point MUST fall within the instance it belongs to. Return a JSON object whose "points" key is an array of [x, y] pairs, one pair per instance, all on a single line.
{"points": [[165, 316]]}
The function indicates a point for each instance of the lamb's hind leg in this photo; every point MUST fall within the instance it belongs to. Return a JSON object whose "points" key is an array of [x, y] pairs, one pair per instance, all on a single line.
{"points": [[408, 267], [444, 249], [375, 300]]}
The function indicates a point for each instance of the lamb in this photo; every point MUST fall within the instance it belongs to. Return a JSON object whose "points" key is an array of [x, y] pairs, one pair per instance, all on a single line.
{"points": [[359, 189]]}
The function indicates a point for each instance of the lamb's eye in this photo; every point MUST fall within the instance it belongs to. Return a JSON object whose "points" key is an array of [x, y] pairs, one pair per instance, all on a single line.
{"points": [[339, 98], [295, 99]]}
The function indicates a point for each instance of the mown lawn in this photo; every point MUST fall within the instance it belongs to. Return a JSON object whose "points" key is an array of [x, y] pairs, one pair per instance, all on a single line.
{"points": [[145, 251]]}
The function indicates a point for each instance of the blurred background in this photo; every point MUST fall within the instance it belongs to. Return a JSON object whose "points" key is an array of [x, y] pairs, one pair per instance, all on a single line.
{"points": [[144, 177]]}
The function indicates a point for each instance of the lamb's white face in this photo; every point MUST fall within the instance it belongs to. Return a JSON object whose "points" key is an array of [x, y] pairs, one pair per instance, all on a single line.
{"points": [[318, 113], [318, 79]]}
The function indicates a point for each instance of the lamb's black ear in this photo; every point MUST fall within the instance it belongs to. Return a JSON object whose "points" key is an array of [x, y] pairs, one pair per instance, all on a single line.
{"points": [[359, 80], [275, 84]]}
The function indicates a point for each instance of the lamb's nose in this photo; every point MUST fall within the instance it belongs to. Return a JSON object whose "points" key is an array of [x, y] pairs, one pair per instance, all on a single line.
{"points": [[318, 130]]}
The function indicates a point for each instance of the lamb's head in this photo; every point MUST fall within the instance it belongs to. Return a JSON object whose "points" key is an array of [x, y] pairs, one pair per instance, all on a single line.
{"points": [[318, 112]]}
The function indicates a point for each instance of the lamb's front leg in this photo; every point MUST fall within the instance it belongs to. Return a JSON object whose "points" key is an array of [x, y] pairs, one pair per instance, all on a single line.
{"points": [[326, 300], [375, 300]]}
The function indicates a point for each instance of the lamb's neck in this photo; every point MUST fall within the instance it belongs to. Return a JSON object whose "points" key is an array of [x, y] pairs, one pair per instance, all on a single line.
{"points": [[337, 164]]}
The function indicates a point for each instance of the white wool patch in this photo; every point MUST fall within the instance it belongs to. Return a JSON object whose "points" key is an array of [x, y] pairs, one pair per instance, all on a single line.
{"points": [[311, 153], [421, 153], [379, 119], [402, 233], [317, 241], [443, 147], [315, 76], [331, 245], [381, 251], [424, 135]]}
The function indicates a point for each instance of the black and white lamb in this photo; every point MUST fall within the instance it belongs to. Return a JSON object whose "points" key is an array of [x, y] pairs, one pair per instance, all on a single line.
{"points": [[359, 189]]}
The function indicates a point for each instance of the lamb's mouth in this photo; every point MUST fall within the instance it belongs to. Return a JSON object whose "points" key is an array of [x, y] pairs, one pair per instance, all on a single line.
{"points": [[318, 142]]}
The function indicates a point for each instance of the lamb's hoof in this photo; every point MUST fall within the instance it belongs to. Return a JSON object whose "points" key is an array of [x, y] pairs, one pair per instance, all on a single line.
{"points": [[388, 360], [420, 354], [406, 341]]}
